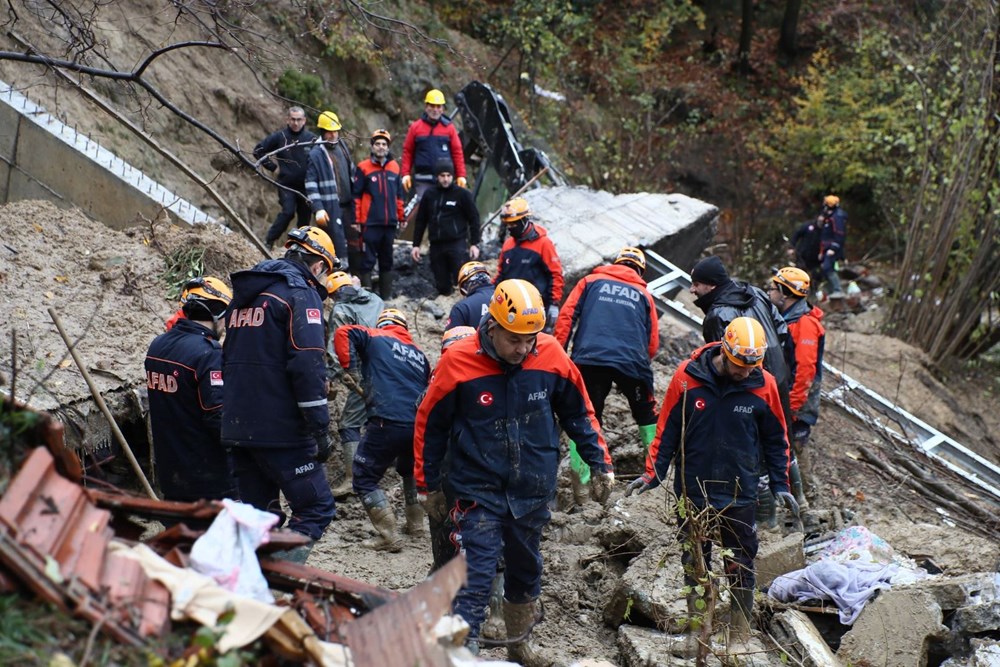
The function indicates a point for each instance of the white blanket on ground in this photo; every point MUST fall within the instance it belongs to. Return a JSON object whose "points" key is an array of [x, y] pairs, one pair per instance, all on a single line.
{"points": [[848, 585]]}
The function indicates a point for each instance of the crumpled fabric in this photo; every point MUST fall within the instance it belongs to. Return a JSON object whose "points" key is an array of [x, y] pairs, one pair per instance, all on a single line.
{"points": [[227, 551], [852, 569]]}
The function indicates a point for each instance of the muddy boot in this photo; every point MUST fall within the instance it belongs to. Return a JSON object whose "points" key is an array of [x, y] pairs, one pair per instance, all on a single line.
{"points": [[297, 555], [494, 626], [414, 512], [742, 607], [519, 619], [346, 486], [384, 521], [385, 285], [366, 279], [795, 475]]}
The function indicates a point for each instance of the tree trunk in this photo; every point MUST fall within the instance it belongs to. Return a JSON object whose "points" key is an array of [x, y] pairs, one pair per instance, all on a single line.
{"points": [[788, 43], [746, 38]]}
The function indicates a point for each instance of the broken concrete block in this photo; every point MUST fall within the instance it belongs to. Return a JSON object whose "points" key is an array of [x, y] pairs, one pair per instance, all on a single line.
{"points": [[894, 630], [978, 618], [644, 647], [650, 589], [962, 591], [800, 638], [778, 557], [985, 653]]}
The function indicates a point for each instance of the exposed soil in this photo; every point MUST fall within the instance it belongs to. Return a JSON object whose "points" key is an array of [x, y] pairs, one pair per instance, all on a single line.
{"points": [[109, 292]]}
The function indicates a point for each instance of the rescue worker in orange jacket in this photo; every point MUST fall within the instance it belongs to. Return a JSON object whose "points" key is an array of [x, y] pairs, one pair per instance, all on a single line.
{"points": [[611, 320], [378, 202], [529, 254], [788, 291], [720, 416], [395, 374], [486, 447]]}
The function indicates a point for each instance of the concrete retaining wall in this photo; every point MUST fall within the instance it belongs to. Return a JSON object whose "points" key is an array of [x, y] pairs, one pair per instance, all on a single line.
{"points": [[42, 158]]}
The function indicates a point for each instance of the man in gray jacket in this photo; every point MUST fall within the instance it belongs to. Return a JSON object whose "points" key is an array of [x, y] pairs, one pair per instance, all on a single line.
{"points": [[328, 185], [352, 304]]}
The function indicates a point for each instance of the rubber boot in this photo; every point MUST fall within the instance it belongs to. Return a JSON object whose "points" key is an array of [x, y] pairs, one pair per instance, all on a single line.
{"points": [[795, 475], [385, 285], [366, 279], [414, 512], [494, 626], [767, 509], [384, 520], [742, 607], [647, 432], [519, 619], [346, 486], [354, 259], [297, 555]]}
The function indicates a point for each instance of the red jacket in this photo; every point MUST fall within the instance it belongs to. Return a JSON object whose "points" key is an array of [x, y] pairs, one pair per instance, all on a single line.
{"points": [[808, 339], [426, 142], [378, 193], [533, 258]]}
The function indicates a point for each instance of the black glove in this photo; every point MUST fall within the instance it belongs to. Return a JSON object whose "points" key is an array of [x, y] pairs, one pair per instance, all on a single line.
{"points": [[638, 486], [789, 501], [324, 446]]}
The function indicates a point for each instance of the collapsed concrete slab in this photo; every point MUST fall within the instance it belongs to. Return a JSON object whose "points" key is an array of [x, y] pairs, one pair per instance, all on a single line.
{"points": [[800, 638], [643, 647], [956, 592], [779, 556], [894, 630], [650, 590], [588, 227]]}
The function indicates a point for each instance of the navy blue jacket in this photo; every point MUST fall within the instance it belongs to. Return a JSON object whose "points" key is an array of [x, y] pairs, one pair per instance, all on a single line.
{"points": [[292, 160], [615, 322], [184, 379], [447, 214], [487, 431], [275, 358], [469, 311], [715, 431], [395, 371]]}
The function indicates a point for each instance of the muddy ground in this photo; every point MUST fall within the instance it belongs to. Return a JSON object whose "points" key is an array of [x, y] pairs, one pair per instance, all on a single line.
{"points": [[110, 291]]}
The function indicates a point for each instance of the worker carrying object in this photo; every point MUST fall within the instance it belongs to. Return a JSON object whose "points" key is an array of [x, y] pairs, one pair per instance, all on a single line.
{"points": [[496, 483]]}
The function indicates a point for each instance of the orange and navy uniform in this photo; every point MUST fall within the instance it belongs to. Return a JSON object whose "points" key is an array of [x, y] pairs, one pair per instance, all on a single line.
{"points": [[533, 257], [179, 315], [724, 426], [395, 371], [378, 193], [427, 142], [808, 340], [612, 313], [488, 432]]}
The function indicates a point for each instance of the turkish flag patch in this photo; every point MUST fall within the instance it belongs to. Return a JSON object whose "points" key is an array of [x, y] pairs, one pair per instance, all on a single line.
{"points": [[314, 316], [215, 378]]}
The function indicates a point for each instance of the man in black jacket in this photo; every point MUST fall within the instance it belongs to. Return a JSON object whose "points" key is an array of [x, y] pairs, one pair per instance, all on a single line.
{"points": [[288, 148], [449, 216]]}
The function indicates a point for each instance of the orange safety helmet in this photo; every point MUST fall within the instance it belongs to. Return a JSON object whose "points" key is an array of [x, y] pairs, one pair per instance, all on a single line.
{"points": [[514, 210], [391, 316], [455, 334], [831, 201], [470, 270], [381, 134], [744, 342], [633, 257], [337, 280], [517, 307], [206, 288], [794, 279], [314, 241]]}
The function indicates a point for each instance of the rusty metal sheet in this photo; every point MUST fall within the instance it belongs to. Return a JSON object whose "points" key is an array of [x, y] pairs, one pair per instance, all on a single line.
{"points": [[327, 618], [408, 621], [285, 576]]}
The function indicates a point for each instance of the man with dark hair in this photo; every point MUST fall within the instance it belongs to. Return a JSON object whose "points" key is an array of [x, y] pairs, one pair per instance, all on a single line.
{"points": [[275, 414], [287, 151], [378, 202], [184, 380], [449, 215]]}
